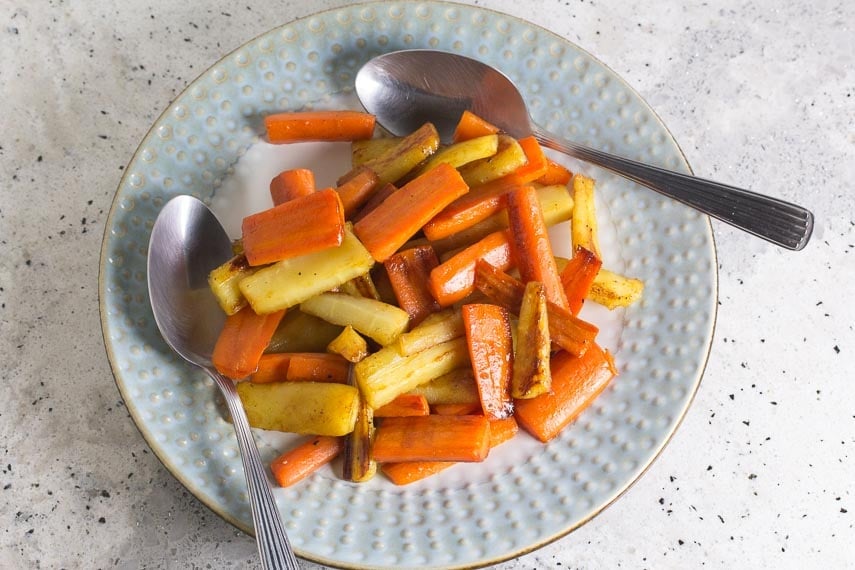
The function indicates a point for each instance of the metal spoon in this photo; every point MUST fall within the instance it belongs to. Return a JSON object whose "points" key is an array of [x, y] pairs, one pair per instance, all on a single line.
{"points": [[187, 242], [407, 88]]}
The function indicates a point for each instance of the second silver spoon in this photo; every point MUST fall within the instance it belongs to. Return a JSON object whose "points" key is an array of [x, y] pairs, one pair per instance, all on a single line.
{"points": [[186, 243]]}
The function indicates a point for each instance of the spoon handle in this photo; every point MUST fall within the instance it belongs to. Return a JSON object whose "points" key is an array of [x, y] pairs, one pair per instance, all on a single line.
{"points": [[782, 223], [273, 545]]}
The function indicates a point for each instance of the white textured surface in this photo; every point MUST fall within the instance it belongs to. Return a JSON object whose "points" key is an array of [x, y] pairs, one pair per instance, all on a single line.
{"points": [[758, 95]]}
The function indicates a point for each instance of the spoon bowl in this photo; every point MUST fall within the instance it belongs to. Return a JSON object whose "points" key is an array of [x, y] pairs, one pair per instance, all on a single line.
{"points": [[187, 242], [408, 88]]}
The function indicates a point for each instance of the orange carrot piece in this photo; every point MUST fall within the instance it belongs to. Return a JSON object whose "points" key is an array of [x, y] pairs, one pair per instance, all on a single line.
{"points": [[412, 471], [376, 198], [567, 331], [291, 184], [488, 336], [271, 368], [403, 406], [432, 438], [242, 342], [409, 273], [555, 174], [530, 244], [484, 200], [403, 213], [472, 126], [576, 382], [478, 204], [298, 463], [317, 367], [308, 367], [536, 162], [357, 190], [297, 227], [578, 275], [319, 126], [455, 279], [457, 409]]}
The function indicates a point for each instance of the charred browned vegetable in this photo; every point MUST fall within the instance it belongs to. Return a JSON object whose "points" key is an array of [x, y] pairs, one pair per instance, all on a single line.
{"points": [[531, 375], [359, 465]]}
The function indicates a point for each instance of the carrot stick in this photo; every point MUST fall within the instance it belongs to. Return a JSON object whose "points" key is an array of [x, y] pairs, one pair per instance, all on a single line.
{"points": [[410, 472], [271, 368], [484, 200], [570, 333], [297, 227], [403, 406], [536, 163], [457, 409], [317, 367], [319, 126], [409, 272], [307, 367], [455, 279], [432, 438], [577, 277], [376, 198], [291, 184], [404, 213], [478, 204], [472, 126], [488, 336], [242, 342], [555, 174], [357, 190], [576, 382], [530, 244], [298, 463], [502, 430]]}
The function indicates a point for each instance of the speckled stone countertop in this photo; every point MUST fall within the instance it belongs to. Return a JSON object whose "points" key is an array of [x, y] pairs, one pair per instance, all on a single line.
{"points": [[760, 94]]}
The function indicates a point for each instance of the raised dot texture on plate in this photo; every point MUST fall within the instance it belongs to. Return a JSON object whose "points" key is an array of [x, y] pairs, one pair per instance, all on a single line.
{"points": [[457, 517]]}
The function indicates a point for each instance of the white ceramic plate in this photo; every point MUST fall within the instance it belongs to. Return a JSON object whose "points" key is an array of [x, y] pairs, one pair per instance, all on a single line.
{"points": [[526, 494]]}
